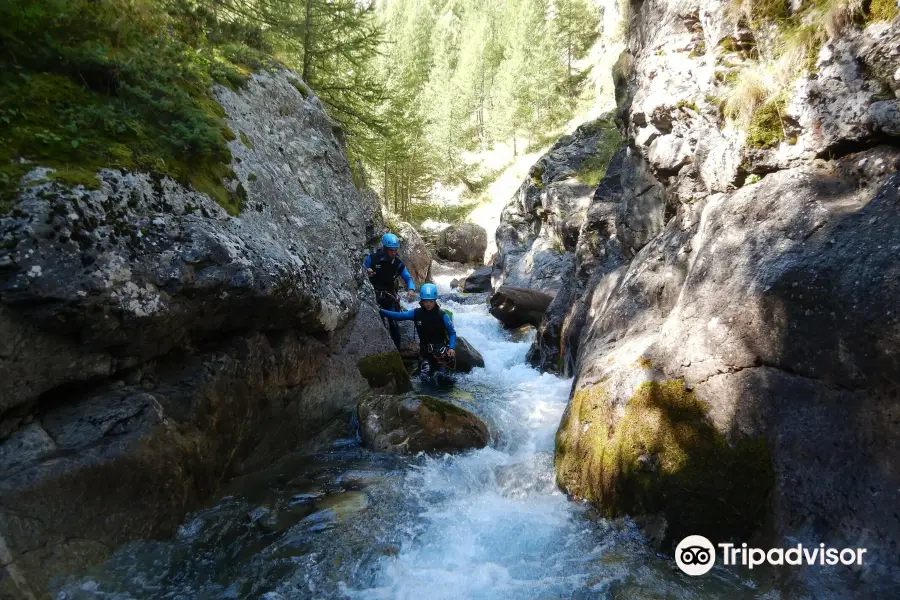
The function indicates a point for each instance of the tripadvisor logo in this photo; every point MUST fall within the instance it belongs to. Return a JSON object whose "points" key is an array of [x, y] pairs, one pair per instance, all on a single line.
{"points": [[696, 555]]}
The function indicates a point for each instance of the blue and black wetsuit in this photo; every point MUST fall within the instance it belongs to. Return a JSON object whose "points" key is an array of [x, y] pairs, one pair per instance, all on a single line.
{"points": [[384, 280], [435, 330]]}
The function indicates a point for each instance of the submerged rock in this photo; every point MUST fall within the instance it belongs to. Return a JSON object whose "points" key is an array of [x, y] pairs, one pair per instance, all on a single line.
{"points": [[416, 423]]}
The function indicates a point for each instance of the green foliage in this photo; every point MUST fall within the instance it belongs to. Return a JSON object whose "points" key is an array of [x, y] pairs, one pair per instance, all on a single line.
{"points": [[461, 75], [883, 10], [245, 140], [755, 12], [687, 104], [420, 212], [114, 83], [766, 129], [592, 169]]}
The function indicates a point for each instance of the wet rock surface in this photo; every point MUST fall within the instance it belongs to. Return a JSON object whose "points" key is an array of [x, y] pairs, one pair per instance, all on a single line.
{"points": [[416, 423], [478, 281], [515, 307]]}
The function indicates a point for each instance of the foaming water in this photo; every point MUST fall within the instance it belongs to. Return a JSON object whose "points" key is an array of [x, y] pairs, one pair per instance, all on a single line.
{"points": [[351, 523]]}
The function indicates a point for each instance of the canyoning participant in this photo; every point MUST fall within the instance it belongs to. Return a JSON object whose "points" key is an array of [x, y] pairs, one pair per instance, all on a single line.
{"points": [[383, 268], [437, 337]]}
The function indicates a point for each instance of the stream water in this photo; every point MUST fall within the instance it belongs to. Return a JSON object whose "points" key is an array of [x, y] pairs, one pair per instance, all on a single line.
{"points": [[349, 523]]}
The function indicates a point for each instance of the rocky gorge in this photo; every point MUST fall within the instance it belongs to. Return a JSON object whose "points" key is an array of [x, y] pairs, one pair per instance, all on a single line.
{"points": [[726, 297], [711, 270]]}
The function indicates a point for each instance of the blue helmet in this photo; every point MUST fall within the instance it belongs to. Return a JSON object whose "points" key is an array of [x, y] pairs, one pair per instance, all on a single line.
{"points": [[428, 292], [389, 240]]}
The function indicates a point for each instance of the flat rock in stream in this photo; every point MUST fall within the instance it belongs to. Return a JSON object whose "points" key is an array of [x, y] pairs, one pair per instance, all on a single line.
{"points": [[416, 423]]}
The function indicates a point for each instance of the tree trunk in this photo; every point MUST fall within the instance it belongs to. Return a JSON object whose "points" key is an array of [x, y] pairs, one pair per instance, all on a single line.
{"points": [[307, 40]]}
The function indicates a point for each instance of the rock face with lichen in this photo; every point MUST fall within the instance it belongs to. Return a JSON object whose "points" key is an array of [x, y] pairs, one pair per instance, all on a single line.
{"points": [[730, 317], [152, 346], [539, 227]]}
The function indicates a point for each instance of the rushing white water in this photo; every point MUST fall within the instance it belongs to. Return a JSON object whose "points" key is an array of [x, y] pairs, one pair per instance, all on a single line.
{"points": [[491, 521], [350, 523]]}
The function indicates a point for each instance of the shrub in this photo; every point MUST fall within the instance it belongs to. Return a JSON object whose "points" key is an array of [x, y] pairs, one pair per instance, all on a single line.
{"points": [[88, 84]]}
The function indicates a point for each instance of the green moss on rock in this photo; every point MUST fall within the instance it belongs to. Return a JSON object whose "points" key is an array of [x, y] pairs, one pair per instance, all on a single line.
{"points": [[384, 369], [766, 129], [663, 456], [246, 140], [442, 407]]}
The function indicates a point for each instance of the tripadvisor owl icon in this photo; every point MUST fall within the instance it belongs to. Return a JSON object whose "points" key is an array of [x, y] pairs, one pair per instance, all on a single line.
{"points": [[695, 555]]}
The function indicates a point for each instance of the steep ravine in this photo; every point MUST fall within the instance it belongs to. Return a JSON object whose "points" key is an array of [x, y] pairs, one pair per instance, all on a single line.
{"points": [[152, 346], [726, 297]]}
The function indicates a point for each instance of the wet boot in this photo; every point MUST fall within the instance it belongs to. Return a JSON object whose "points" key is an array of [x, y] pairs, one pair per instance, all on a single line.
{"points": [[425, 372]]}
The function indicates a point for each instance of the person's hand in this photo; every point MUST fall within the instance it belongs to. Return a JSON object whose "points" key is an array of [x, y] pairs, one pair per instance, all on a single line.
{"points": [[410, 296], [369, 272], [452, 353]]}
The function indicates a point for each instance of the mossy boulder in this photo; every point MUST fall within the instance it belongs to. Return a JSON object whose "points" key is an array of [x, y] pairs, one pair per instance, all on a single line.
{"points": [[660, 454], [385, 369], [415, 423]]}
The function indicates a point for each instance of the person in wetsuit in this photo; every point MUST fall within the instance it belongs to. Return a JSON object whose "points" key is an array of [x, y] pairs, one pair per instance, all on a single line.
{"points": [[437, 337], [383, 268]]}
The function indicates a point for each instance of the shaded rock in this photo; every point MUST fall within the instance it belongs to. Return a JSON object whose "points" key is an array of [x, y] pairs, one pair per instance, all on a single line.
{"points": [[763, 327], [152, 345], [515, 307], [464, 243], [414, 423], [539, 228], [478, 281], [454, 283], [467, 357], [598, 252]]}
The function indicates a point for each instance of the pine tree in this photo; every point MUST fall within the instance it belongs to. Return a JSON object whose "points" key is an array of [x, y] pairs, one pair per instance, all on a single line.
{"points": [[576, 27]]}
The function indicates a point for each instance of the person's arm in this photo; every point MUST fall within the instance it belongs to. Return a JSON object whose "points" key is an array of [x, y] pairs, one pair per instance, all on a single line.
{"points": [[450, 332], [410, 284], [368, 262], [398, 316], [408, 279]]}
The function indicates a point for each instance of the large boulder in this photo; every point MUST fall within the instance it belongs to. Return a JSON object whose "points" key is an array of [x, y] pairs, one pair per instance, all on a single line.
{"points": [[478, 281], [152, 345], [463, 243], [467, 357], [748, 335], [414, 253], [515, 307], [414, 423]]}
